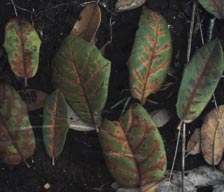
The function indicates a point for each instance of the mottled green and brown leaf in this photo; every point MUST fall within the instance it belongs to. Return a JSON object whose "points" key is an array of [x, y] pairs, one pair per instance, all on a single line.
{"points": [[215, 7], [200, 78], [82, 75], [133, 148], [55, 125], [22, 45], [151, 55], [17, 141]]}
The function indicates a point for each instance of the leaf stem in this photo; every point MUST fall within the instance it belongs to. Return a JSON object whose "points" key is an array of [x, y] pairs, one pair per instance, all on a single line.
{"points": [[26, 163], [53, 161], [183, 154], [176, 149]]}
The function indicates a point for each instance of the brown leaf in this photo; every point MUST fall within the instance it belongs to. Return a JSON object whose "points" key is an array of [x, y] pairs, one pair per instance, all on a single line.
{"points": [[88, 25], [212, 146], [34, 99], [194, 143], [125, 5]]}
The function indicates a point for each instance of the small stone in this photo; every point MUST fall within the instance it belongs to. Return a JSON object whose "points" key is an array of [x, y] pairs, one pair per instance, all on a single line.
{"points": [[47, 186]]}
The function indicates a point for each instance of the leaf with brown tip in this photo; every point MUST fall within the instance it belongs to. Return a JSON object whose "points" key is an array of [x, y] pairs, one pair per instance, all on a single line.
{"points": [[194, 143], [212, 140], [17, 141], [88, 25], [125, 5]]}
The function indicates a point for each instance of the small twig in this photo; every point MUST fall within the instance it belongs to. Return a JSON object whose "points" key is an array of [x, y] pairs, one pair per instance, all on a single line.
{"points": [[53, 161], [175, 153], [200, 27], [125, 105], [14, 7], [211, 28], [191, 30], [111, 37], [183, 154], [118, 103]]}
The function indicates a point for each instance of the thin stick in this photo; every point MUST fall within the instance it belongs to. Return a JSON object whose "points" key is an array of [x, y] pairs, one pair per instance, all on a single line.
{"points": [[125, 105], [53, 161], [14, 7], [200, 28], [191, 30], [211, 28], [26, 163], [183, 154], [118, 103], [175, 154]]}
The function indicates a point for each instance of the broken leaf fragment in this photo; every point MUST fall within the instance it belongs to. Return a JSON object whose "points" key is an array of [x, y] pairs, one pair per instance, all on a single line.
{"points": [[34, 99], [212, 136], [125, 5], [22, 45], [194, 143], [88, 24], [17, 141], [55, 125], [133, 148]]}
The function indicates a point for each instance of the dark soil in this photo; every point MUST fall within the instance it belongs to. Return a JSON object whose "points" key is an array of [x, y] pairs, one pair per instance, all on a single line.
{"points": [[81, 167]]}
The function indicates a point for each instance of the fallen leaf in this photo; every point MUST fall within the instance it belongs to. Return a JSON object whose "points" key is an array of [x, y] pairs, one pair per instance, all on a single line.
{"points": [[212, 143], [194, 143], [34, 99], [125, 5], [88, 25], [160, 117], [55, 126]]}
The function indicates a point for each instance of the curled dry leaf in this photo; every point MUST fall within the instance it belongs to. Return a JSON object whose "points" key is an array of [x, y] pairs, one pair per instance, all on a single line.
{"points": [[34, 99], [194, 143], [212, 140], [125, 5], [22, 45], [88, 24], [160, 117]]}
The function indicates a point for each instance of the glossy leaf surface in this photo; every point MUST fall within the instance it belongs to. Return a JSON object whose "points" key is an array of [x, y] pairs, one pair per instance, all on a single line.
{"points": [[199, 81], [215, 7], [88, 25], [151, 55], [133, 148], [55, 126], [17, 141], [82, 75], [22, 45], [125, 5]]}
